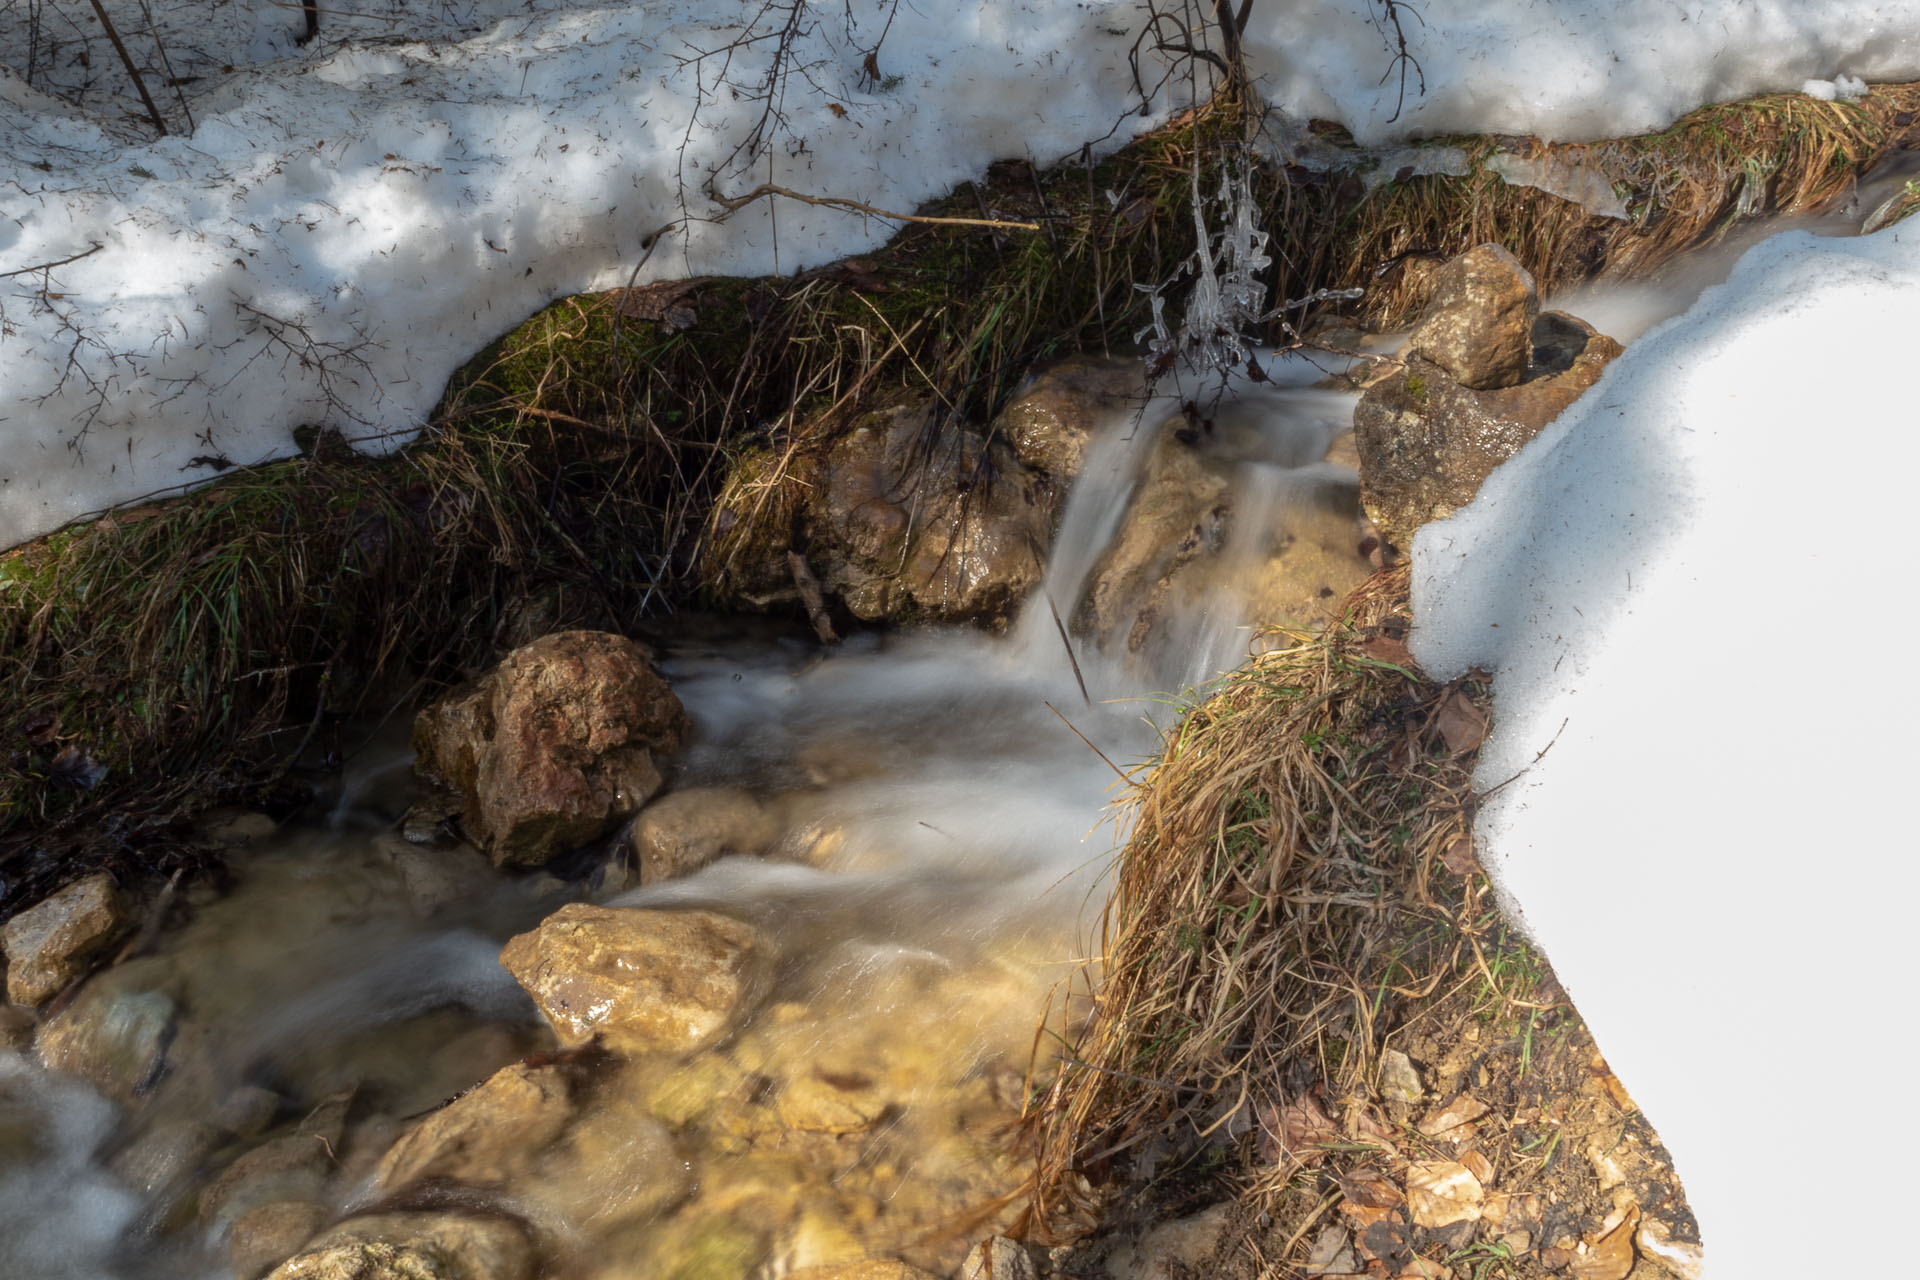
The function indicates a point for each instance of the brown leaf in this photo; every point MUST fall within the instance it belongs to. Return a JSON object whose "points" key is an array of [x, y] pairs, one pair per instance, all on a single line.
{"points": [[1458, 856], [1479, 1166], [1616, 1092], [1454, 1122], [1370, 1197], [1608, 1255], [1442, 1192], [1462, 724], [1297, 1131], [1391, 651]]}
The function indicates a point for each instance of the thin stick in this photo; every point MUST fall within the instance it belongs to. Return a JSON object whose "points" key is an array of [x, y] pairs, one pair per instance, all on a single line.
{"points": [[809, 588], [126, 60], [1097, 751], [1067, 644], [731, 203]]}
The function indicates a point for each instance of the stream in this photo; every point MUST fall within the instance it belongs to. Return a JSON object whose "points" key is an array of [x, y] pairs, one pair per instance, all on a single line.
{"points": [[940, 799]]}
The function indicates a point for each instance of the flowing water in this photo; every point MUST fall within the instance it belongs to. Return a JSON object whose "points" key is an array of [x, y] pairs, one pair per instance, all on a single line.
{"points": [[936, 886]]}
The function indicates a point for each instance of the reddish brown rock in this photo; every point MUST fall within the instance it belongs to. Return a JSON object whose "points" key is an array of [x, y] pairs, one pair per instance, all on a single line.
{"points": [[1480, 318], [641, 980], [554, 747], [50, 944]]}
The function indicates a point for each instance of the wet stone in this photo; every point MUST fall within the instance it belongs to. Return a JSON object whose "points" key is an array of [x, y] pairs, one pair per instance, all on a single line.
{"points": [[416, 1246], [116, 1032], [1480, 318], [269, 1233], [48, 945], [641, 980], [684, 830]]}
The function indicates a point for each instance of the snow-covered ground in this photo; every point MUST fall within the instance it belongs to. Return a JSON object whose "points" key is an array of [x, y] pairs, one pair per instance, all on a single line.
{"points": [[1688, 587], [339, 225], [1691, 591]]}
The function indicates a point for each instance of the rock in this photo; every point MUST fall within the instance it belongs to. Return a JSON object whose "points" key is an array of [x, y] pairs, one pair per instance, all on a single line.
{"points": [[684, 830], [116, 1032], [48, 945], [247, 1111], [486, 1135], [17, 1026], [1175, 1250], [998, 1259], [642, 980], [1480, 318], [1179, 513], [269, 1233], [436, 877], [293, 1167], [235, 827], [866, 1269], [829, 1103], [165, 1153], [1051, 423], [416, 1246], [554, 747], [944, 525], [1399, 1080], [1426, 442]]}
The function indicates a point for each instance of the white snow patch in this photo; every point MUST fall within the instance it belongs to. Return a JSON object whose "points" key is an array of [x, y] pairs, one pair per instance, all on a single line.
{"points": [[1688, 589]]}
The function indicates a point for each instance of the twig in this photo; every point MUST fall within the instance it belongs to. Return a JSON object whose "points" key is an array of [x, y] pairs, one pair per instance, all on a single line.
{"points": [[316, 11], [1067, 644], [809, 588], [1124, 776], [732, 203], [58, 262], [126, 60]]}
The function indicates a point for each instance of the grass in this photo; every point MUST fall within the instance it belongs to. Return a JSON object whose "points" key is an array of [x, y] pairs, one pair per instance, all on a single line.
{"points": [[1281, 906]]}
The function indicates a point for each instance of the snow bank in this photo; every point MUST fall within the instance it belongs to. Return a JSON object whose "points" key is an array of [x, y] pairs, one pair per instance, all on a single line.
{"points": [[345, 226], [1563, 70], [345, 223], [1688, 589]]}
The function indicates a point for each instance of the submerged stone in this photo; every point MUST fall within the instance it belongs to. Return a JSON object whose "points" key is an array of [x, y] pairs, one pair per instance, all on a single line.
{"points": [[639, 979], [116, 1032], [684, 830]]}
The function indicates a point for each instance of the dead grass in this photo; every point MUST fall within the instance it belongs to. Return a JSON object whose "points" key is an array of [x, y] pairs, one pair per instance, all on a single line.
{"points": [[1279, 904]]}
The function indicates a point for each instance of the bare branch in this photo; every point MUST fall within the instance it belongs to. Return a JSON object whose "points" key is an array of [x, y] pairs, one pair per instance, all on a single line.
{"points": [[732, 203]]}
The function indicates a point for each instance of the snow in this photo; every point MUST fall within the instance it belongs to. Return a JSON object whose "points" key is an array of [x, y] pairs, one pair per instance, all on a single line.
{"points": [[1686, 588], [343, 224]]}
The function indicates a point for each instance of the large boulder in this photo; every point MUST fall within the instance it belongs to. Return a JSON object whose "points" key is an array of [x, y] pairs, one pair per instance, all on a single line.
{"points": [[49, 945], [1427, 441], [1479, 321], [554, 747], [640, 980]]}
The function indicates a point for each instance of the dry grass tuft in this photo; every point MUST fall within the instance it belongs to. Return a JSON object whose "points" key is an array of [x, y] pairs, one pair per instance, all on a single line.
{"points": [[1275, 905]]}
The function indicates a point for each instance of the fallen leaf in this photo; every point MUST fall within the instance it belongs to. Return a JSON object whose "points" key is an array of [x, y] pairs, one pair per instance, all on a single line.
{"points": [[1390, 651], [1458, 856], [1609, 1254], [1458, 1114], [76, 767], [1443, 1192], [1616, 1092], [1370, 1197], [1462, 724], [1297, 1131], [1390, 1241], [1479, 1166]]}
